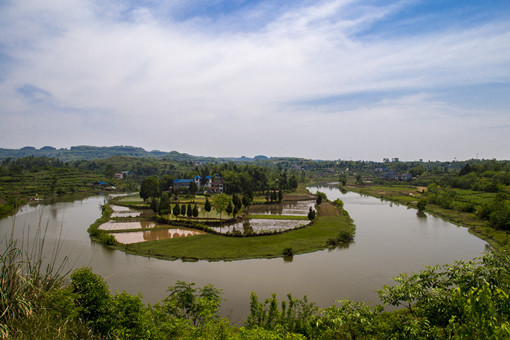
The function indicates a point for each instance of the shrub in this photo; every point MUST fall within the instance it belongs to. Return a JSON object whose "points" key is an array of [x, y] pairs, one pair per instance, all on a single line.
{"points": [[93, 299], [287, 252], [129, 317], [422, 203], [311, 214], [339, 203]]}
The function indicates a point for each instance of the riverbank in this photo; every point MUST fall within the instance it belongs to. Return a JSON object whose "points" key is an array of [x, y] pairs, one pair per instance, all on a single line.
{"points": [[410, 195]]}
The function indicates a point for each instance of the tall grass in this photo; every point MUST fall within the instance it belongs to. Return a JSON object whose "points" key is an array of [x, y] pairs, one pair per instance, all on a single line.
{"points": [[26, 275]]}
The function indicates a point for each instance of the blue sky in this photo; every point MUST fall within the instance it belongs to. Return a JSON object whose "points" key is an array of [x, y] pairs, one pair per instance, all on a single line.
{"points": [[316, 79]]}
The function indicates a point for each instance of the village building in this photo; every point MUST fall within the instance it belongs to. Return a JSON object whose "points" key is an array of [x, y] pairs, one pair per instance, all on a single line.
{"points": [[200, 182], [122, 175], [182, 183], [217, 186], [208, 184]]}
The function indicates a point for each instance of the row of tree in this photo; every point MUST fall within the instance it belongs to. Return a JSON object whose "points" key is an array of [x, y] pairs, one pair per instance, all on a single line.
{"points": [[220, 203]]}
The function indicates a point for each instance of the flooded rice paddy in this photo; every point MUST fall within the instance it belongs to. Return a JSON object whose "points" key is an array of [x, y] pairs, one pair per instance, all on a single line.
{"points": [[291, 208], [155, 235], [247, 227], [260, 226], [126, 225]]}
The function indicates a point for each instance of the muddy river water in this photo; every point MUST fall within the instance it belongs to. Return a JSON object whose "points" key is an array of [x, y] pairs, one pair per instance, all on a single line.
{"points": [[390, 240]]}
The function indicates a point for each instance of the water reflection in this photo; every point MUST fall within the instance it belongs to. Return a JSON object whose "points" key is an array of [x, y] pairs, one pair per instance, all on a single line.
{"points": [[260, 226], [294, 208], [421, 214], [124, 212], [115, 225], [155, 235]]}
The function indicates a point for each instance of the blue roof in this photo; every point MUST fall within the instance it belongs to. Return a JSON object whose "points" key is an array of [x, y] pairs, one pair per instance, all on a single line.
{"points": [[102, 183], [183, 180]]}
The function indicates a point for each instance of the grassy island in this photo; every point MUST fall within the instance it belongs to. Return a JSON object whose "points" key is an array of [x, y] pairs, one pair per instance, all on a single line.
{"points": [[321, 233], [330, 222]]}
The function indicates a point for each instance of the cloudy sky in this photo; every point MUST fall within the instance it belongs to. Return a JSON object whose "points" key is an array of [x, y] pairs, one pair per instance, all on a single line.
{"points": [[348, 79]]}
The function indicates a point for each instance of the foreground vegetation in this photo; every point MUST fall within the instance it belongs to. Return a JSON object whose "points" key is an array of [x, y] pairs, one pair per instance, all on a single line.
{"points": [[467, 300]]}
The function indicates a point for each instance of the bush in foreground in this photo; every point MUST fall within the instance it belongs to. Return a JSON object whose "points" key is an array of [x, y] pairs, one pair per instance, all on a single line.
{"points": [[460, 301]]}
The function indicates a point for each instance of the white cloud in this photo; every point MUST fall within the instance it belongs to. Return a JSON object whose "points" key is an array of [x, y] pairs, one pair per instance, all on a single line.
{"points": [[178, 85]]}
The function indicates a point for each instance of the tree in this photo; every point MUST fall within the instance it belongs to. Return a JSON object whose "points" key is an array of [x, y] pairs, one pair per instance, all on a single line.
{"points": [[53, 184], [155, 204], [197, 305], [189, 211], [164, 204], [246, 201], [311, 214], [195, 211], [320, 197], [436, 289], [109, 171], [130, 321], [207, 206], [497, 212], [220, 203], [422, 203], [465, 170], [343, 179], [93, 298], [149, 188], [183, 210], [237, 202], [280, 196], [293, 183], [177, 210], [193, 187], [358, 179], [229, 208]]}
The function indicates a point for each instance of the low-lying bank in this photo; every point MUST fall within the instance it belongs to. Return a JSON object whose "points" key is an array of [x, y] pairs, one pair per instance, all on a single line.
{"points": [[410, 195]]}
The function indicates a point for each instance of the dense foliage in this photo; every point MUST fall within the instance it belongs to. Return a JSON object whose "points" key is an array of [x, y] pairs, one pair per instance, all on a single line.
{"points": [[466, 300]]}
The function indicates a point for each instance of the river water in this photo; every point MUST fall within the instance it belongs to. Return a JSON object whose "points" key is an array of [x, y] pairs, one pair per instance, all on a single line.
{"points": [[390, 240]]}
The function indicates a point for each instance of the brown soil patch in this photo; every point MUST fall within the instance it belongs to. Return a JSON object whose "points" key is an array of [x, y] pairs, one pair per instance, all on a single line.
{"points": [[298, 197], [329, 209]]}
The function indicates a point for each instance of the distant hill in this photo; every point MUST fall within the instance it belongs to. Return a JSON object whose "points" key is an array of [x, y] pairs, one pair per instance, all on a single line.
{"points": [[85, 152], [79, 152]]}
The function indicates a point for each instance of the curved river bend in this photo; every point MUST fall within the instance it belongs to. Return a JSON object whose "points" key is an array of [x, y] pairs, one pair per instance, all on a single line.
{"points": [[389, 240]]}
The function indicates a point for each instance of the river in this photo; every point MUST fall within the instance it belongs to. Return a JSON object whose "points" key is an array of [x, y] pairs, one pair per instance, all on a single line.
{"points": [[389, 240]]}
